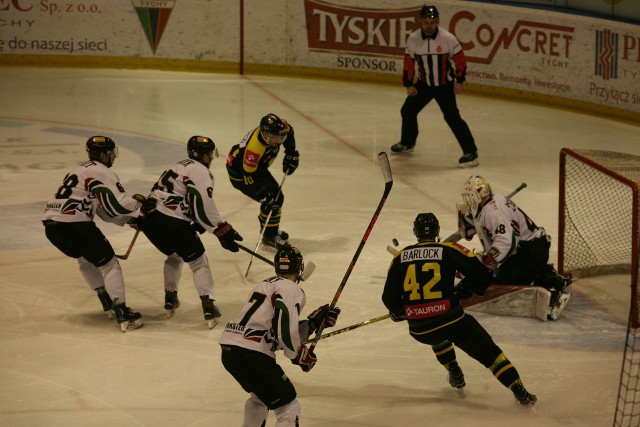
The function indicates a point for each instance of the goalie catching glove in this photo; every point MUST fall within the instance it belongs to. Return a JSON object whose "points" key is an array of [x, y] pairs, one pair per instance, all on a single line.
{"points": [[306, 359], [290, 162], [227, 236], [323, 313]]}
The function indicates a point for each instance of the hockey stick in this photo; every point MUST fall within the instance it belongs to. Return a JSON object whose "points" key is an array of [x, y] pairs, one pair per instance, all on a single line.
{"points": [[255, 254], [383, 160], [264, 227], [355, 326], [133, 241], [308, 269]]}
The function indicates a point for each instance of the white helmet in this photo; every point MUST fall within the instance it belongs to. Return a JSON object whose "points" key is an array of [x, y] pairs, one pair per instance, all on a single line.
{"points": [[476, 193]]}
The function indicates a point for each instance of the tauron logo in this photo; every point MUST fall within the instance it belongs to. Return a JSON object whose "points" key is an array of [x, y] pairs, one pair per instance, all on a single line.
{"points": [[606, 61], [153, 16]]}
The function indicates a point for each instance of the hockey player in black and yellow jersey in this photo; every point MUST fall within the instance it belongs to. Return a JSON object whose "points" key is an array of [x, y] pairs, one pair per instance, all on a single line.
{"points": [[248, 167], [420, 288]]}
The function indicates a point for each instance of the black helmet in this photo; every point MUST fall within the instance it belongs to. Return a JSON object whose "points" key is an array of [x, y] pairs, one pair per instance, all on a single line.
{"points": [[426, 226], [288, 260], [429, 12], [274, 125], [99, 144], [200, 145]]}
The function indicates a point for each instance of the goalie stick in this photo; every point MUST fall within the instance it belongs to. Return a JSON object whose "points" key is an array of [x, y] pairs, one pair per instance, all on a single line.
{"points": [[383, 161], [264, 227], [308, 269], [133, 242]]}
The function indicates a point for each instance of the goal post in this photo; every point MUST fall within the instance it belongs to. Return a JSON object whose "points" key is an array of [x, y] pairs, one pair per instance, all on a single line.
{"points": [[599, 225]]}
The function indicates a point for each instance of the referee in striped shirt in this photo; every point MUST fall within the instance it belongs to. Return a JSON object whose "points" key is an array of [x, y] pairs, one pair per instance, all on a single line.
{"points": [[441, 68]]}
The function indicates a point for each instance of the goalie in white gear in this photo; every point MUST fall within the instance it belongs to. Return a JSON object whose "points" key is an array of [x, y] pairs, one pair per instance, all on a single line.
{"points": [[515, 248], [69, 225], [270, 321]]}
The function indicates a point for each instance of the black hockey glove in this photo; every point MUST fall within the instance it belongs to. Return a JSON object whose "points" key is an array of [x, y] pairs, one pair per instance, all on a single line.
{"points": [[463, 289], [148, 203], [271, 203], [227, 236], [136, 223], [397, 316], [290, 162], [306, 359], [323, 313]]}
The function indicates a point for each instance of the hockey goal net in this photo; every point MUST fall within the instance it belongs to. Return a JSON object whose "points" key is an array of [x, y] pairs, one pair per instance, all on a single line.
{"points": [[598, 234]]}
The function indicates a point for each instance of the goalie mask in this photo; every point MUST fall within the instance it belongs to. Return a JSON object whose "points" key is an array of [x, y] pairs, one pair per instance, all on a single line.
{"points": [[198, 146], [476, 193], [274, 129], [426, 227], [97, 145], [288, 260]]}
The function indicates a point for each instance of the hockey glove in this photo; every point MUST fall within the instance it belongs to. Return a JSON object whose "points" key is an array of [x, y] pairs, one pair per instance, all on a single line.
{"points": [[290, 162], [136, 223], [306, 359], [463, 289], [148, 203], [323, 313], [227, 236], [489, 259], [270, 203], [397, 316]]}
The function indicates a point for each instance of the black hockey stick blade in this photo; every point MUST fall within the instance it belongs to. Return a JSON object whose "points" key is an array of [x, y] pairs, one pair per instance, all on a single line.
{"points": [[133, 241], [383, 161]]}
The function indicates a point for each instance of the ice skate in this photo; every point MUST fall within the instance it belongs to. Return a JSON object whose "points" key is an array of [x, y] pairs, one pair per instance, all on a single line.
{"points": [[127, 319], [469, 160], [401, 148], [171, 303], [211, 312], [523, 397], [105, 300], [559, 301], [456, 377], [274, 242]]}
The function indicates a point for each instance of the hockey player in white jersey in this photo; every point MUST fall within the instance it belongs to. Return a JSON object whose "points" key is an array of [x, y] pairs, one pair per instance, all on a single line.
{"points": [[184, 195], [89, 189], [515, 248], [270, 321]]}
